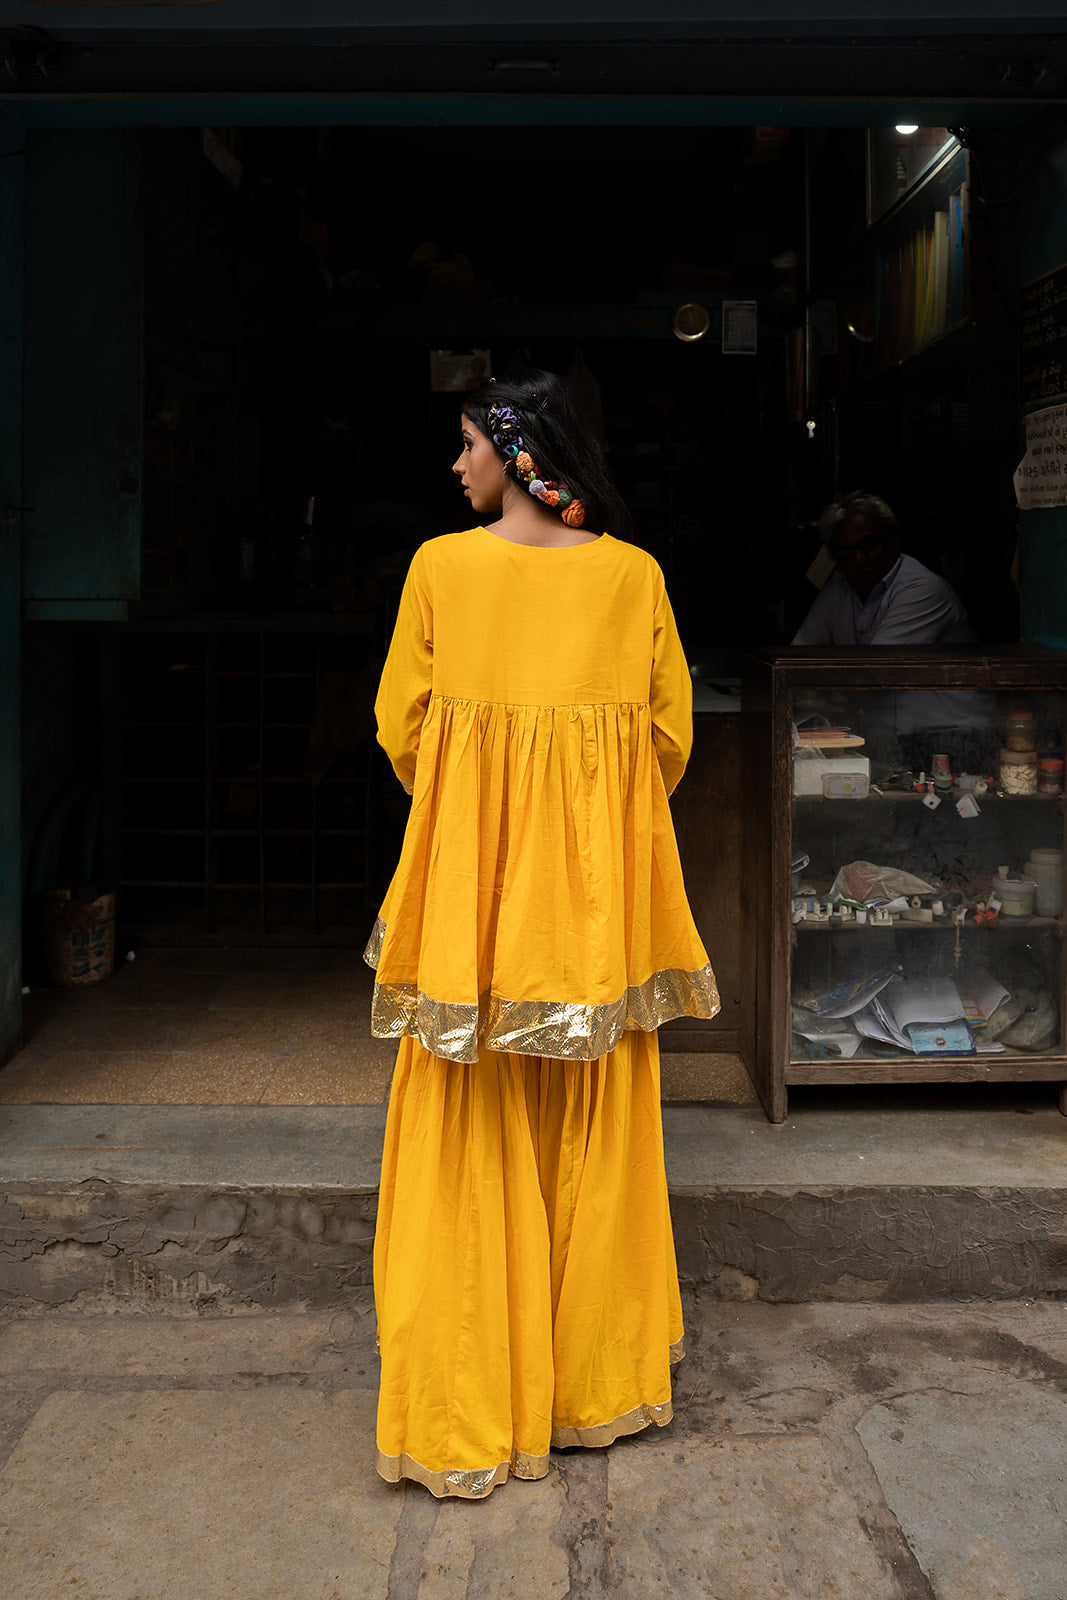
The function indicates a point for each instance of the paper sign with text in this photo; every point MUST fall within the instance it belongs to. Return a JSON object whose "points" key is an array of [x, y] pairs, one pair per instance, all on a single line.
{"points": [[1041, 476]]}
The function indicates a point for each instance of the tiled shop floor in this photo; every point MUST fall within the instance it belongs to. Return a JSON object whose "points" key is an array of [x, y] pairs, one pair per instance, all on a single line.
{"points": [[241, 1027], [207, 1027]]}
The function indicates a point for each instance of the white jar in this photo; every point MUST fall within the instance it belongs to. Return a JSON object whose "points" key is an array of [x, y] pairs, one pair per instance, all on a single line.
{"points": [[1016, 896], [1045, 867], [1017, 771]]}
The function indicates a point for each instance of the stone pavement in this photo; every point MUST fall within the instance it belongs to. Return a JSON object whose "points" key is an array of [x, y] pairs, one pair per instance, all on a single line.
{"points": [[823, 1451]]}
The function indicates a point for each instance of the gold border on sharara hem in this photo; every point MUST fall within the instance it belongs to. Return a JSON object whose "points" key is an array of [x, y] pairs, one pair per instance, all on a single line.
{"points": [[604, 1433], [474, 1484], [478, 1482], [560, 1030]]}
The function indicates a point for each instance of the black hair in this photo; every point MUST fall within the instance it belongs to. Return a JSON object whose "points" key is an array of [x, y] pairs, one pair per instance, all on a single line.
{"points": [[560, 443], [859, 507]]}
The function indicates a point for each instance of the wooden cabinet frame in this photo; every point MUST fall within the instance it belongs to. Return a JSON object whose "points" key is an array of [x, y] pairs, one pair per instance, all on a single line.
{"points": [[770, 678]]}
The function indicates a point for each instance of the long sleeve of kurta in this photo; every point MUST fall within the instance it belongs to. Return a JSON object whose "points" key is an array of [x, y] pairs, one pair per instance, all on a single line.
{"points": [[407, 677], [671, 696]]}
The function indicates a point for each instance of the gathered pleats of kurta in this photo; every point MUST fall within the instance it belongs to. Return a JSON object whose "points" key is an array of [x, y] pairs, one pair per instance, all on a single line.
{"points": [[537, 704]]}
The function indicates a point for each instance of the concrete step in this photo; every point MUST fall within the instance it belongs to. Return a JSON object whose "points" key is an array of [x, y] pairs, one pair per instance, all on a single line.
{"points": [[239, 1207]]}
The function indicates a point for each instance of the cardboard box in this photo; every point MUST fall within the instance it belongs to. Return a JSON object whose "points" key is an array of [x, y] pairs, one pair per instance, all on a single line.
{"points": [[809, 770]]}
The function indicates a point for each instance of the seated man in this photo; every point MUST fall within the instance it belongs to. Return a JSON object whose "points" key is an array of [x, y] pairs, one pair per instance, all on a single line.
{"points": [[876, 595]]}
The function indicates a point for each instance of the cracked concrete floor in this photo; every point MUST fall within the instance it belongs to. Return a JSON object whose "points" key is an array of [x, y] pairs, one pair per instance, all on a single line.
{"points": [[863, 1452]]}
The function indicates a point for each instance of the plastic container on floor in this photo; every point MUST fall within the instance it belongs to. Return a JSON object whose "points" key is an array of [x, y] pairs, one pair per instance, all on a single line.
{"points": [[79, 938]]}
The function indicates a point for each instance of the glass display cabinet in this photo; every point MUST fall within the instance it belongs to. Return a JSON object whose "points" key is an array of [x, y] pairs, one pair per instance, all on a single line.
{"points": [[904, 859]]}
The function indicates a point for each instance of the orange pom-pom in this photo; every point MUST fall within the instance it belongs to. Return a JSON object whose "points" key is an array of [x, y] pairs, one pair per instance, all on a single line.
{"points": [[574, 514], [551, 498], [524, 461]]}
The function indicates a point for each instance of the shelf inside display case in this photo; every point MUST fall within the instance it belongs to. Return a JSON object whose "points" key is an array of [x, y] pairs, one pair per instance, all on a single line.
{"points": [[872, 870], [945, 925], [846, 993], [993, 797]]}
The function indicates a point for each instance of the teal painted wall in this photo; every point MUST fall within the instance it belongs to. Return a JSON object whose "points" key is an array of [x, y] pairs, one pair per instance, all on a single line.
{"points": [[60, 746], [1042, 245], [12, 176], [476, 111], [82, 418]]}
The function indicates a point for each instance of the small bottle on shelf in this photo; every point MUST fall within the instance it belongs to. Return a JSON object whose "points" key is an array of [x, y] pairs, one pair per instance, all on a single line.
{"points": [[1021, 730], [942, 772], [1050, 774]]}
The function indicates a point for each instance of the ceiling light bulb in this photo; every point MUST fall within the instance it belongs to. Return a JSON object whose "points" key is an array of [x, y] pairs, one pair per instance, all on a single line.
{"points": [[907, 127]]}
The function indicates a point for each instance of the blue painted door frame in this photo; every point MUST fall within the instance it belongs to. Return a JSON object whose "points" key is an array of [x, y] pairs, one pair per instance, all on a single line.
{"points": [[12, 191], [82, 387], [1042, 247], [71, 265]]}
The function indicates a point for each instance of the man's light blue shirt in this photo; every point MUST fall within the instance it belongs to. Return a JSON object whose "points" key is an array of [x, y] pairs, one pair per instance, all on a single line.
{"points": [[910, 605]]}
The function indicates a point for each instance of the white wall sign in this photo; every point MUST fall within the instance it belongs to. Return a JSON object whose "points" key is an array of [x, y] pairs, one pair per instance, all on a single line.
{"points": [[740, 327], [1041, 476], [459, 374]]}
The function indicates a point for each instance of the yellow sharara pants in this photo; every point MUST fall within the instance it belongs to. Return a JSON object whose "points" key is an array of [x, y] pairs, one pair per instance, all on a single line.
{"points": [[524, 1268]]}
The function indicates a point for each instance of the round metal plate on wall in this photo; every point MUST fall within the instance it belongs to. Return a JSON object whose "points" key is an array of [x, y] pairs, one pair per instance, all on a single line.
{"points": [[690, 321]]}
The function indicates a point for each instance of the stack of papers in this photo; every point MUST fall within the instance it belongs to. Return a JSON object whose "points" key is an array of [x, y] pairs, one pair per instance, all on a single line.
{"points": [[850, 994], [980, 997], [916, 1005], [928, 1016]]}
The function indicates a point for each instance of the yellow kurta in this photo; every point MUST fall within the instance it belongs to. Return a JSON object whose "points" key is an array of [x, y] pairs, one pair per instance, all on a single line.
{"points": [[538, 703]]}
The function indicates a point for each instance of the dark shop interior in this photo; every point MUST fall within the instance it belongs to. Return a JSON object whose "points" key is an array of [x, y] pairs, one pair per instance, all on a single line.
{"points": [[312, 300], [246, 351]]}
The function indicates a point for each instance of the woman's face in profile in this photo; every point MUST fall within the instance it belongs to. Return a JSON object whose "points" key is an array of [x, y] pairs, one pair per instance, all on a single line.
{"points": [[479, 469]]}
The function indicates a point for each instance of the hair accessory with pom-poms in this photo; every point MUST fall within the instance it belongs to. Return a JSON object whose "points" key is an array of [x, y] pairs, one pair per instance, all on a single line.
{"points": [[504, 432]]}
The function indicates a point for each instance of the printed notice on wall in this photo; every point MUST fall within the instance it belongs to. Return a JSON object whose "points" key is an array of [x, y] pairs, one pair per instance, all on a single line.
{"points": [[1043, 339], [740, 327], [458, 374], [1041, 476]]}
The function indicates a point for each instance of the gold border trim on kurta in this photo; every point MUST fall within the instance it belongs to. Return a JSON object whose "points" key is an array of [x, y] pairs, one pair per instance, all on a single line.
{"points": [[474, 1484], [561, 1030], [373, 953]]}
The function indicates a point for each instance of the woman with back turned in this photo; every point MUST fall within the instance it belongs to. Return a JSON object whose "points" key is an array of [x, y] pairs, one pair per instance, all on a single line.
{"points": [[537, 705]]}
